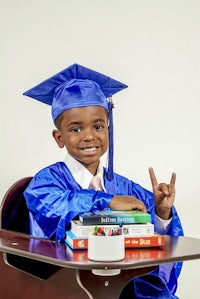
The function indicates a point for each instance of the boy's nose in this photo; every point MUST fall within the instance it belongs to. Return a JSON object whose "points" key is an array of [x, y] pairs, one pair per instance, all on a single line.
{"points": [[89, 134]]}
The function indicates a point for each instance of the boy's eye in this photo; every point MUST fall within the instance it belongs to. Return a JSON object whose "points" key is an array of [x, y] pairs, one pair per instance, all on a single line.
{"points": [[76, 130], [98, 127]]}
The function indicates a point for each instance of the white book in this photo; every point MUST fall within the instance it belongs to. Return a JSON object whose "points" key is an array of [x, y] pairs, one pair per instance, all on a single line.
{"points": [[144, 229]]}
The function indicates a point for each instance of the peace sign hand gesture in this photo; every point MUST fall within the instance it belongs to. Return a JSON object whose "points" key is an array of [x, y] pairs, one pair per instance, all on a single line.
{"points": [[164, 195]]}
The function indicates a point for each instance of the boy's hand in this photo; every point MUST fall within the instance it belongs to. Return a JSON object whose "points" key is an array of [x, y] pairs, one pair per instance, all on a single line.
{"points": [[120, 202], [164, 195]]}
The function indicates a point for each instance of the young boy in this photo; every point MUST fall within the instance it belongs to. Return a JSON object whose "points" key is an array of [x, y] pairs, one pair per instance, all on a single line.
{"points": [[60, 192]]}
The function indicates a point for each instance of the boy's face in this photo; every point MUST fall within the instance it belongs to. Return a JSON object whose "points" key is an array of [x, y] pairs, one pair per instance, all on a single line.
{"points": [[84, 133]]}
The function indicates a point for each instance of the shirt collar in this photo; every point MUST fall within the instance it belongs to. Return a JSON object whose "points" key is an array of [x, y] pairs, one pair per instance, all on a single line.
{"points": [[81, 174]]}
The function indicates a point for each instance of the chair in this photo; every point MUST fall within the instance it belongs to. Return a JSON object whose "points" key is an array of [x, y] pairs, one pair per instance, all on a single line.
{"points": [[14, 216], [13, 210]]}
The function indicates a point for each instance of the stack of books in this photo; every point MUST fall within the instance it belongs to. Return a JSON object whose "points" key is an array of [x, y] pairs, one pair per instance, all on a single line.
{"points": [[136, 227]]}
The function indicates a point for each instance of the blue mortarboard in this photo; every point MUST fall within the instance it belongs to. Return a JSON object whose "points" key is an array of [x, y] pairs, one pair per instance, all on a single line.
{"points": [[78, 86]]}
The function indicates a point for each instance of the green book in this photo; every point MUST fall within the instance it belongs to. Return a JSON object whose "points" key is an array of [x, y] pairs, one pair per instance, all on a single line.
{"points": [[114, 217]]}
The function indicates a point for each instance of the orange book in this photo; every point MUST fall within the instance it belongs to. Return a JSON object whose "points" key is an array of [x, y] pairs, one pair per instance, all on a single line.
{"points": [[130, 242], [149, 241]]}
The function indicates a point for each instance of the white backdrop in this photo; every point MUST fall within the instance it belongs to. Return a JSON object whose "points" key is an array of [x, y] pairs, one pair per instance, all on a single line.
{"points": [[153, 47]]}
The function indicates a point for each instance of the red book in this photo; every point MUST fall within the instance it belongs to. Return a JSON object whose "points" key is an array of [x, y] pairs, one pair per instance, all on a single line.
{"points": [[76, 242], [130, 242], [149, 241]]}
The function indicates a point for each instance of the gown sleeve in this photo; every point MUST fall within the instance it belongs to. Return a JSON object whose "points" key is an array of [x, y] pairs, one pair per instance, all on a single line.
{"points": [[54, 198]]}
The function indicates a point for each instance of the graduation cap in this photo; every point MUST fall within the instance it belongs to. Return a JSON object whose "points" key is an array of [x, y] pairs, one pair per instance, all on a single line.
{"points": [[78, 86]]}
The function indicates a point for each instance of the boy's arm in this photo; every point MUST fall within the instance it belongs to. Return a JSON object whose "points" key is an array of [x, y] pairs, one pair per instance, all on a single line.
{"points": [[53, 205], [54, 198]]}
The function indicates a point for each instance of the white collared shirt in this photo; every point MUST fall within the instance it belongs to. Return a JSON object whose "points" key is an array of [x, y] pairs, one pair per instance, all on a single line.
{"points": [[81, 174]]}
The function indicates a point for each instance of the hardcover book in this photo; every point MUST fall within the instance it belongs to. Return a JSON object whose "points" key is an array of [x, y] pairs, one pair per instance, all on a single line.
{"points": [[129, 241], [144, 229], [149, 241], [114, 217], [76, 242]]}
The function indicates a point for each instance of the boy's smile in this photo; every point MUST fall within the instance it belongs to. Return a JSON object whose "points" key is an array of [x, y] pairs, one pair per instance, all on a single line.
{"points": [[84, 133]]}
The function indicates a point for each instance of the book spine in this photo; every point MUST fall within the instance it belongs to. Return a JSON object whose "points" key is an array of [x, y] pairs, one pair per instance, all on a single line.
{"points": [[134, 230], [151, 241], [77, 243], [129, 242], [129, 219]]}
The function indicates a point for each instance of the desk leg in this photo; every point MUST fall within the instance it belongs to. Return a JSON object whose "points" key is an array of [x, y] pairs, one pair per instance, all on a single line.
{"points": [[108, 287]]}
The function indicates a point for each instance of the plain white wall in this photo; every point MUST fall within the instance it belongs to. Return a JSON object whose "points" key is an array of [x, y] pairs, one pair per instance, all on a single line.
{"points": [[153, 46]]}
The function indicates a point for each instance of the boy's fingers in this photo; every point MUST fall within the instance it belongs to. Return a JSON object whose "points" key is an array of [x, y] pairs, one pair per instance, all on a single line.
{"points": [[164, 188], [140, 206], [172, 183], [154, 181], [173, 179]]}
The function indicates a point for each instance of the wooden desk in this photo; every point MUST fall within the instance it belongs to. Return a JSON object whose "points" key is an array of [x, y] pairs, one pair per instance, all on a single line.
{"points": [[68, 274]]}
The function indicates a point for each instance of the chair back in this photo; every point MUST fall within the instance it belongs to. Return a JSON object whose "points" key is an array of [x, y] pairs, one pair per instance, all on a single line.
{"points": [[14, 216], [13, 210]]}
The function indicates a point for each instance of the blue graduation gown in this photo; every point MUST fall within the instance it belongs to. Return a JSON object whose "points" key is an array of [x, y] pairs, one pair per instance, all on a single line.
{"points": [[54, 198]]}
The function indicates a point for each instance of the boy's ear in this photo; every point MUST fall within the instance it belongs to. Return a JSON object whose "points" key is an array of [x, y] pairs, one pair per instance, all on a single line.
{"points": [[58, 138]]}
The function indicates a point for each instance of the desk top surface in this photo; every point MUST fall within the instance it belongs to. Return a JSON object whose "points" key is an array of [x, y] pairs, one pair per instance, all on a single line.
{"points": [[175, 249]]}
